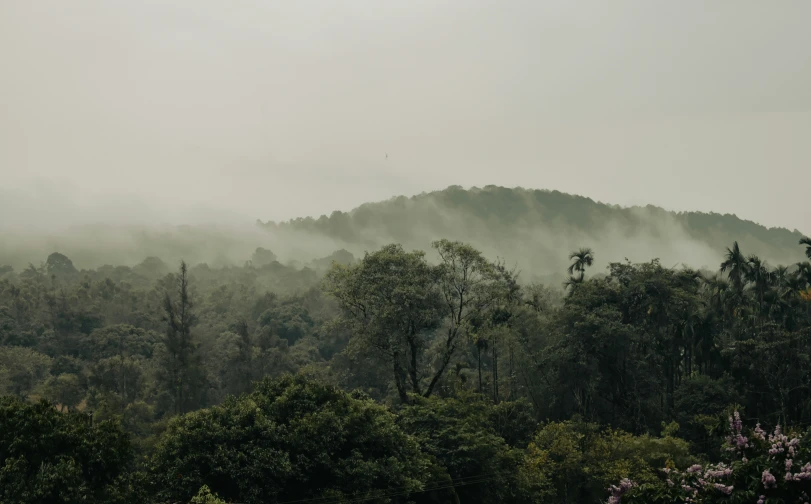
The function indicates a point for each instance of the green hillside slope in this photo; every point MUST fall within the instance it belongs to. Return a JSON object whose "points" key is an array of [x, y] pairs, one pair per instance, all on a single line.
{"points": [[537, 228]]}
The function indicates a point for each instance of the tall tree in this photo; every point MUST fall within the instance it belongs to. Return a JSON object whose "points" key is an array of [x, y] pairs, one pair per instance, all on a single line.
{"points": [[182, 373], [581, 259], [392, 301], [757, 273], [470, 285], [736, 267]]}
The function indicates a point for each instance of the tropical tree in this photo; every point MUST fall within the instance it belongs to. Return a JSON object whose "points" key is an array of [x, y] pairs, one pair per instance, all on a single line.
{"points": [[758, 274], [736, 266], [807, 242], [581, 259]]}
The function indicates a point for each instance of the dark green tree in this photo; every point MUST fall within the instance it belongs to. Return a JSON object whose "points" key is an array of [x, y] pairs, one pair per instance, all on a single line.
{"points": [[296, 440], [181, 373], [47, 457]]}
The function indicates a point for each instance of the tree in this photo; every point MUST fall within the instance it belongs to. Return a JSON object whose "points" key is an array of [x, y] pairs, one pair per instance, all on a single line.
{"points": [[204, 496], [292, 439], [59, 265], [114, 383], [577, 461], [396, 302], [470, 286], [21, 370], [460, 433], [64, 390], [758, 274], [49, 457], [262, 257], [181, 373], [121, 340], [736, 266], [244, 356], [807, 242], [392, 300], [774, 468], [581, 259]]}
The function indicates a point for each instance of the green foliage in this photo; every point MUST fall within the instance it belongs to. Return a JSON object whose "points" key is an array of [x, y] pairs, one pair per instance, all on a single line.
{"points": [[290, 439], [575, 462], [22, 370], [392, 301], [64, 390], [468, 357], [461, 435], [121, 340], [204, 496], [49, 457], [761, 467]]}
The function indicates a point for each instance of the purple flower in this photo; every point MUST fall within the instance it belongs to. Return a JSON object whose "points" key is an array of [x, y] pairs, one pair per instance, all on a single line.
{"points": [[618, 491], [720, 471], [768, 480], [723, 488]]}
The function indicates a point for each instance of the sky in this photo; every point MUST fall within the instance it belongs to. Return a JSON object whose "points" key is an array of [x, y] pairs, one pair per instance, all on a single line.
{"points": [[188, 110]]}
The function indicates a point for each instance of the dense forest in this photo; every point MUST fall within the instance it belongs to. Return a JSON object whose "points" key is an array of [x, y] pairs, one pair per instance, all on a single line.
{"points": [[407, 377]]}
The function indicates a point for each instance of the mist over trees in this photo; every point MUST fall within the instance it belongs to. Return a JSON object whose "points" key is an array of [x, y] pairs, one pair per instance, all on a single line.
{"points": [[533, 229], [537, 229], [402, 375]]}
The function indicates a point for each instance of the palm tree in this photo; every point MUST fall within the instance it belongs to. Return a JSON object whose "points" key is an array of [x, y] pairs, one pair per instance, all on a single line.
{"points": [[807, 242], [779, 276], [804, 273], [572, 281], [582, 259], [736, 266], [716, 289], [758, 274]]}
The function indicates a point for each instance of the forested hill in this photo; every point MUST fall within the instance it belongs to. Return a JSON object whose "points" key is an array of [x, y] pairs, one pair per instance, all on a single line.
{"points": [[533, 229], [537, 228]]}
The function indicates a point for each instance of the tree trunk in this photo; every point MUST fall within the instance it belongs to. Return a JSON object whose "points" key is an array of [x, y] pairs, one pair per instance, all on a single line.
{"points": [[412, 367], [479, 357], [399, 378], [495, 368]]}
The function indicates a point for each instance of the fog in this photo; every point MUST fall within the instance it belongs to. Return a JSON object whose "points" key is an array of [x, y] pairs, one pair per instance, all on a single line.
{"points": [[520, 228], [120, 121]]}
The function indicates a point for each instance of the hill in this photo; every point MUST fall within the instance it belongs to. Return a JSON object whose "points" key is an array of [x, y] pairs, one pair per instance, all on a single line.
{"points": [[532, 229], [537, 228]]}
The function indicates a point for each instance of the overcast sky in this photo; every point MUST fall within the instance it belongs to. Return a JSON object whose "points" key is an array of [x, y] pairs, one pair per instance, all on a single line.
{"points": [[275, 109]]}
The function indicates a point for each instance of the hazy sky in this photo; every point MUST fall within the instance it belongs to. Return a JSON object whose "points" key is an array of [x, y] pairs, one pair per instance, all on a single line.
{"points": [[274, 109]]}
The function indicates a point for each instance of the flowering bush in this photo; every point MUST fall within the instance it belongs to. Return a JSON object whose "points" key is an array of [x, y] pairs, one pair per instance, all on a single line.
{"points": [[760, 469]]}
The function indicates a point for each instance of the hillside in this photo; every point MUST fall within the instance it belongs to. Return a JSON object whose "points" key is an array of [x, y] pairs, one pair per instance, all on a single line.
{"points": [[532, 229], [537, 228]]}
